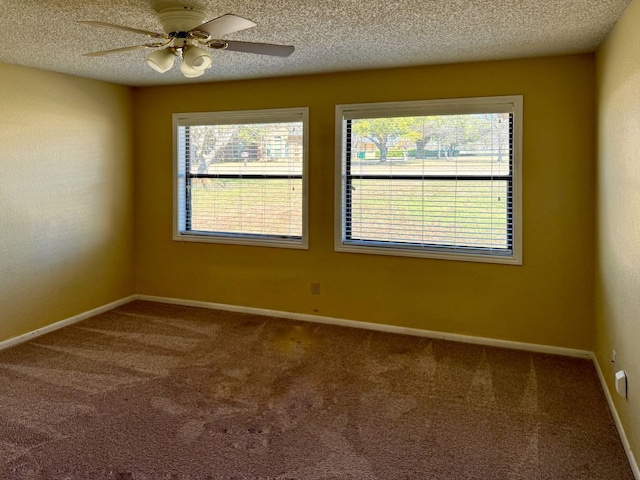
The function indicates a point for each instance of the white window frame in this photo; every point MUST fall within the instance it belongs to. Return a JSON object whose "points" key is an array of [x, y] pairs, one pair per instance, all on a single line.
{"points": [[230, 118], [498, 104]]}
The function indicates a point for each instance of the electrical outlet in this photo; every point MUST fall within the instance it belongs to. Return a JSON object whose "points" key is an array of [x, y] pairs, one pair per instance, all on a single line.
{"points": [[621, 383], [315, 288], [613, 356]]}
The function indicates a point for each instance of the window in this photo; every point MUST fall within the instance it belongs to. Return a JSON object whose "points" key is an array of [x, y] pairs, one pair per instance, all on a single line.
{"points": [[241, 177], [437, 179]]}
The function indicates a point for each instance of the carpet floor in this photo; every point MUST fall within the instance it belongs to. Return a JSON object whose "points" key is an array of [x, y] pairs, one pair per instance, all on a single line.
{"points": [[152, 391]]}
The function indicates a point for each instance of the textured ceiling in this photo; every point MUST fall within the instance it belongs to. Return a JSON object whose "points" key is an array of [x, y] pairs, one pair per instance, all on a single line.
{"points": [[329, 35]]}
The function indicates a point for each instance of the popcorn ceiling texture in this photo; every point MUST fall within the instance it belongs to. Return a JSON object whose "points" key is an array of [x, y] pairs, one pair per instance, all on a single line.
{"points": [[329, 36]]}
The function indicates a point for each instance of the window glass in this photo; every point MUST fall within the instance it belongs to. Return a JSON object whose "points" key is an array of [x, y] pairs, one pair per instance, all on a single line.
{"points": [[442, 184], [242, 181]]}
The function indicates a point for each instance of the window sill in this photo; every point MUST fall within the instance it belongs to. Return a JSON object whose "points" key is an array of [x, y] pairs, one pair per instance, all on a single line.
{"points": [[513, 259], [298, 244]]}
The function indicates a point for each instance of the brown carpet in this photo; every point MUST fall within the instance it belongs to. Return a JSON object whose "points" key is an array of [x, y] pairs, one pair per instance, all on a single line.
{"points": [[152, 391]]}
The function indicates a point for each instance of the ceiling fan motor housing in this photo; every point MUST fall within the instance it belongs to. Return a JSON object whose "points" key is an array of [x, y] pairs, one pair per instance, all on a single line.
{"points": [[181, 19]]}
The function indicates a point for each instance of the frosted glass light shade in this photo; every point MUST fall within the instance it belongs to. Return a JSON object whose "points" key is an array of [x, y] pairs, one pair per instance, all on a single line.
{"points": [[189, 72], [161, 60], [197, 58]]}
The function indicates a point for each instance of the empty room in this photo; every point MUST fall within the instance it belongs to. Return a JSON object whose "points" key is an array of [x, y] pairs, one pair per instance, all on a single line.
{"points": [[306, 240]]}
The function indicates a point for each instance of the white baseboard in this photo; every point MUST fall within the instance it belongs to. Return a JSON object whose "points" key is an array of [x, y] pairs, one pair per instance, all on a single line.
{"points": [[12, 342], [616, 419], [530, 347]]}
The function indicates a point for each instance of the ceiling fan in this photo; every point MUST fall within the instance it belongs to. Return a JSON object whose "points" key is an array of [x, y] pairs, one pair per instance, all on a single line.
{"points": [[186, 33]]}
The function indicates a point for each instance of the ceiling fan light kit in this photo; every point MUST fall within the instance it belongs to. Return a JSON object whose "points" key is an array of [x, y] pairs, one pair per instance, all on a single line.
{"points": [[190, 72], [196, 57], [161, 60], [186, 34]]}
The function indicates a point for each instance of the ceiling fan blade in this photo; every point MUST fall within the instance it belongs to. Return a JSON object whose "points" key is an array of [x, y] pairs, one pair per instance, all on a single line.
{"points": [[260, 48], [221, 26], [116, 50], [121, 27]]}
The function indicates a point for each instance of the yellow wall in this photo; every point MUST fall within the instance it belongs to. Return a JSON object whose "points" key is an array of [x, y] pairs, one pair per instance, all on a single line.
{"points": [[618, 208], [66, 198], [548, 300]]}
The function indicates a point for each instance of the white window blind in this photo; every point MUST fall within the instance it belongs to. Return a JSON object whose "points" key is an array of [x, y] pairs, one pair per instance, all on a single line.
{"points": [[436, 179], [241, 177]]}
